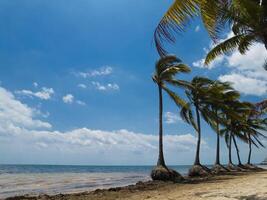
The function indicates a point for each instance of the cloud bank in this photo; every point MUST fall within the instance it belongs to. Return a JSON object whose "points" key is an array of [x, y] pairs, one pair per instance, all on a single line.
{"points": [[20, 127]]}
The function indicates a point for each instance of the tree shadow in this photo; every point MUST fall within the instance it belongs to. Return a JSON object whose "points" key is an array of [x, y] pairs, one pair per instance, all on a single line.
{"points": [[252, 197]]}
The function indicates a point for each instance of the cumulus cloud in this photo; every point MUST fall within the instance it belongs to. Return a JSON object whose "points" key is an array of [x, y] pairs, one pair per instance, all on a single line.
{"points": [[18, 123], [16, 116], [246, 84], [120, 139], [83, 86], [109, 86], [81, 103], [171, 118], [44, 94], [103, 71], [213, 64], [68, 98], [246, 71]]}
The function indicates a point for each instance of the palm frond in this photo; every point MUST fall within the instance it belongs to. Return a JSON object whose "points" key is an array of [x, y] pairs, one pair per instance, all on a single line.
{"points": [[178, 101], [224, 47], [187, 115], [174, 20]]}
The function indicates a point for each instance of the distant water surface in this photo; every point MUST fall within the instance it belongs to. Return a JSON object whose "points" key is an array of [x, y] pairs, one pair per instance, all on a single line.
{"points": [[54, 179]]}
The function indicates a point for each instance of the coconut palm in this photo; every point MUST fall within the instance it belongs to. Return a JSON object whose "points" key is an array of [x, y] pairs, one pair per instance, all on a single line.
{"points": [[198, 97], [250, 128], [247, 17], [166, 70], [253, 132], [233, 128], [181, 12], [248, 21], [221, 95], [256, 125], [244, 128]]}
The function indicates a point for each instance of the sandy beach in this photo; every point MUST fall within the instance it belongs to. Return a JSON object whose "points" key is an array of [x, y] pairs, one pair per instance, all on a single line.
{"points": [[238, 186]]}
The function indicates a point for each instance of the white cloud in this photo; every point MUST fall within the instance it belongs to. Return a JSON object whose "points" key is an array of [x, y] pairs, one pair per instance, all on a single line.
{"points": [[103, 71], [35, 84], [81, 103], [246, 71], [44, 94], [83, 86], [15, 116], [171, 118], [68, 98], [19, 127], [113, 86], [197, 29], [214, 63], [246, 84], [253, 60], [109, 86]]}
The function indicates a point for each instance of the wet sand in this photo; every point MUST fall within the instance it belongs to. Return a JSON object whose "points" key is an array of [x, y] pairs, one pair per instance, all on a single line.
{"points": [[238, 186]]}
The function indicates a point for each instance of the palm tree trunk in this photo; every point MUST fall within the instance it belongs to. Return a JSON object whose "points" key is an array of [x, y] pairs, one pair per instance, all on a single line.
{"points": [[237, 151], [161, 161], [218, 150], [197, 159], [265, 41], [230, 151], [217, 162], [250, 149]]}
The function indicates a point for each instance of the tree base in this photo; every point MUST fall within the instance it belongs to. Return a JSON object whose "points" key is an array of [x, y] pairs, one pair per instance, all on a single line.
{"points": [[199, 170], [232, 167], [219, 169], [244, 167], [253, 167], [161, 173]]}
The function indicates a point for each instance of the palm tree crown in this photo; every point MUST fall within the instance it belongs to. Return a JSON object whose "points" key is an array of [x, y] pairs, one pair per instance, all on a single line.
{"points": [[249, 21], [166, 70]]}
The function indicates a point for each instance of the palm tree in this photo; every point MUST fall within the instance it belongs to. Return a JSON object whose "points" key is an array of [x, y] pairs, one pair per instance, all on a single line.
{"points": [[233, 127], [248, 20], [181, 12], [246, 17], [256, 123], [245, 127], [253, 133], [221, 95], [198, 97], [166, 70], [249, 128]]}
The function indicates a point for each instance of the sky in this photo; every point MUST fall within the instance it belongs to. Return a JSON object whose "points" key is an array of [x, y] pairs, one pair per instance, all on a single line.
{"points": [[76, 84]]}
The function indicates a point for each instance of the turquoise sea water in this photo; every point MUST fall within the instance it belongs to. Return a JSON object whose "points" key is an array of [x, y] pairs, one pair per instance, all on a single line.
{"points": [[54, 179]]}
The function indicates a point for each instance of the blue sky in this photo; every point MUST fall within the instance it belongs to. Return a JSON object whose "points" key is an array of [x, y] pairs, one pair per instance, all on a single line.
{"points": [[76, 83]]}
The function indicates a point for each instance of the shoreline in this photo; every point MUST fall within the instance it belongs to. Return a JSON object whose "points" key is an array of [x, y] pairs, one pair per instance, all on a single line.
{"points": [[254, 180]]}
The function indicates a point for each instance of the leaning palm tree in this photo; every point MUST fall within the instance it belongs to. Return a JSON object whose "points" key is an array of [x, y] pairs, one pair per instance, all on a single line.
{"points": [[250, 128], [166, 70], [181, 12], [248, 21], [256, 124], [247, 17], [233, 126], [221, 95], [253, 131], [198, 96]]}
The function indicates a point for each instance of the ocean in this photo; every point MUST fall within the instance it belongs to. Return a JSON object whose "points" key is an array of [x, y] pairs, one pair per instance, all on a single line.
{"points": [[54, 179]]}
